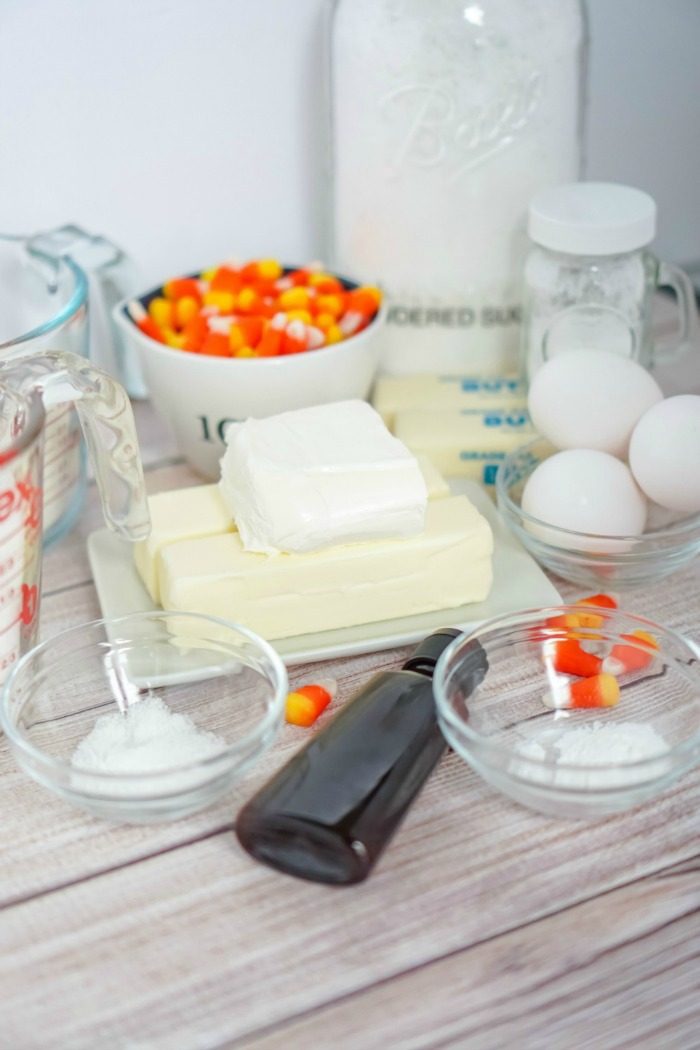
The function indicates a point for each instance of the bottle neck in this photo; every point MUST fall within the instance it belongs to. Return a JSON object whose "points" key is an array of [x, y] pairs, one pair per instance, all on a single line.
{"points": [[426, 656]]}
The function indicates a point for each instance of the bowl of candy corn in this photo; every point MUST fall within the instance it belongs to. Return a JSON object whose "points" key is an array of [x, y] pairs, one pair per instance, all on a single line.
{"points": [[576, 711], [669, 540], [253, 340]]}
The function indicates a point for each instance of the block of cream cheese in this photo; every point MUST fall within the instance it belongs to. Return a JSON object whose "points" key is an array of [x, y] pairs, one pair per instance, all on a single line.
{"points": [[394, 394], [466, 443], [318, 477], [199, 510], [447, 565]]}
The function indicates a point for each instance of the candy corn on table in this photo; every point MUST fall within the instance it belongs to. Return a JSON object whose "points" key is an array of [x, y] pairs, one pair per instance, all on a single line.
{"points": [[484, 924]]}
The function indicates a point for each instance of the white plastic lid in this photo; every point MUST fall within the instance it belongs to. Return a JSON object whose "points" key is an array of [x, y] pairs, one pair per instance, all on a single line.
{"points": [[592, 218]]}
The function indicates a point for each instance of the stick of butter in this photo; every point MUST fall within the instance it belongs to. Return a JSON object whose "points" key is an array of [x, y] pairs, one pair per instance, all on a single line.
{"points": [[468, 443], [393, 394], [178, 515], [183, 514], [447, 565]]}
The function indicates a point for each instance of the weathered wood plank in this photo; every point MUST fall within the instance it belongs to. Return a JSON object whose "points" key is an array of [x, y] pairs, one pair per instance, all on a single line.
{"points": [[200, 946], [617, 971]]}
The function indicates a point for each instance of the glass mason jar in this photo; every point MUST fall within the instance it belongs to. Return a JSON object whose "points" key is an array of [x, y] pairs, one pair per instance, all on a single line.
{"points": [[447, 116], [589, 277]]}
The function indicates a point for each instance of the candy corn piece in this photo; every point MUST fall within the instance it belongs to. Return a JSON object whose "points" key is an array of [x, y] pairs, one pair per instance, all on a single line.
{"points": [[305, 704], [351, 322], [294, 299], [568, 657], [600, 601], [633, 657], [182, 286], [226, 279], [216, 345], [601, 690], [325, 283], [578, 619], [161, 310], [185, 309], [295, 339], [144, 322], [195, 332], [223, 301], [270, 343]]}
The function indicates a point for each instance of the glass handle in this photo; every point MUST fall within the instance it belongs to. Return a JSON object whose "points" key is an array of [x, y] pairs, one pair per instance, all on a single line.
{"points": [[107, 421], [670, 276]]}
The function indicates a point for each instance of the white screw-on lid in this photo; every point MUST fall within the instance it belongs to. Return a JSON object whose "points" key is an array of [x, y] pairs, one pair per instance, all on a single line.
{"points": [[592, 218]]}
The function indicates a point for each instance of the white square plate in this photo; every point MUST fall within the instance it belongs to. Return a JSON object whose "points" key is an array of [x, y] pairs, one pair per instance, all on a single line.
{"points": [[518, 583]]}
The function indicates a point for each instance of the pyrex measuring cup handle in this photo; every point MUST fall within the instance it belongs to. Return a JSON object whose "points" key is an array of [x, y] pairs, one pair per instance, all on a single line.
{"points": [[673, 277], [107, 421]]}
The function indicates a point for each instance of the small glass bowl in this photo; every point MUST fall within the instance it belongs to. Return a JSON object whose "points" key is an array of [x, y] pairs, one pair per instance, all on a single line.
{"points": [[222, 677], [629, 561], [489, 689]]}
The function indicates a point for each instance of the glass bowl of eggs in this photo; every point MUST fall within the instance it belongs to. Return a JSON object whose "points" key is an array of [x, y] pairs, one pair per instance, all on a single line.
{"points": [[609, 494], [588, 558]]}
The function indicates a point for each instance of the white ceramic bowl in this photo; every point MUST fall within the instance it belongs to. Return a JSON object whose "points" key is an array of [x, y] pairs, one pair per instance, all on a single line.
{"points": [[199, 396]]}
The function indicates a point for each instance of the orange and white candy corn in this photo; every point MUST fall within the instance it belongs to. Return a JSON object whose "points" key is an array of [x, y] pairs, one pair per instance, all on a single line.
{"points": [[601, 690], [304, 705], [633, 656], [600, 601], [569, 657]]}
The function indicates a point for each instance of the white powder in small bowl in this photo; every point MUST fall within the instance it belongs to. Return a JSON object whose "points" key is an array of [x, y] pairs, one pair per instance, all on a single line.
{"points": [[595, 744], [148, 738]]}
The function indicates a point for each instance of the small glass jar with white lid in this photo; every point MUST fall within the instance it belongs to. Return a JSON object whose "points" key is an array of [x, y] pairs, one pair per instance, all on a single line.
{"points": [[589, 276]]}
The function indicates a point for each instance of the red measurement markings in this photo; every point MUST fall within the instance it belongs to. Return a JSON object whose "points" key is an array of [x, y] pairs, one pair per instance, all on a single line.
{"points": [[30, 603]]}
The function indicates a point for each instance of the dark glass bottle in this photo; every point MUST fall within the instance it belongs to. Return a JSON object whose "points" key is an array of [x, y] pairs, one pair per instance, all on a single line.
{"points": [[329, 813]]}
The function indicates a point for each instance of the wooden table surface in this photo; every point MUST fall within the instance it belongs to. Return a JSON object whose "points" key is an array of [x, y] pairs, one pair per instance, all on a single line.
{"points": [[483, 925]]}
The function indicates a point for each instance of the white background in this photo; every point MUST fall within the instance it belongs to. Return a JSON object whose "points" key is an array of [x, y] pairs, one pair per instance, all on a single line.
{"points": [[190, 131]]}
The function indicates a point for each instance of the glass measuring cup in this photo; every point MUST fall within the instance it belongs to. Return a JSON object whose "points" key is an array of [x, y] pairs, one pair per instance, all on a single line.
{"points": [[43, 306], [45, 283], [29, 388]]}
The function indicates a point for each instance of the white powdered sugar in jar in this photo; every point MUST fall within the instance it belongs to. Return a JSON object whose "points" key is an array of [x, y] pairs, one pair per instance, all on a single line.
{"points": [[448, 116]]}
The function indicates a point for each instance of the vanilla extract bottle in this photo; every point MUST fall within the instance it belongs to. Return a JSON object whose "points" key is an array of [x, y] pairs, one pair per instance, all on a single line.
{"points": [[329, 813]]}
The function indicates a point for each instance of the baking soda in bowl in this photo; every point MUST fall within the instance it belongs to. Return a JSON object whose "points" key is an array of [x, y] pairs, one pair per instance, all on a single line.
{"points": [[147, 738], [590, 745]]}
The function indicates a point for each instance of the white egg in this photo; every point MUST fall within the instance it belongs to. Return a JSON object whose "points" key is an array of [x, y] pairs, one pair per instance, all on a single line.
{"points": [[584, 491], [591, 399], [665, 453]]}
